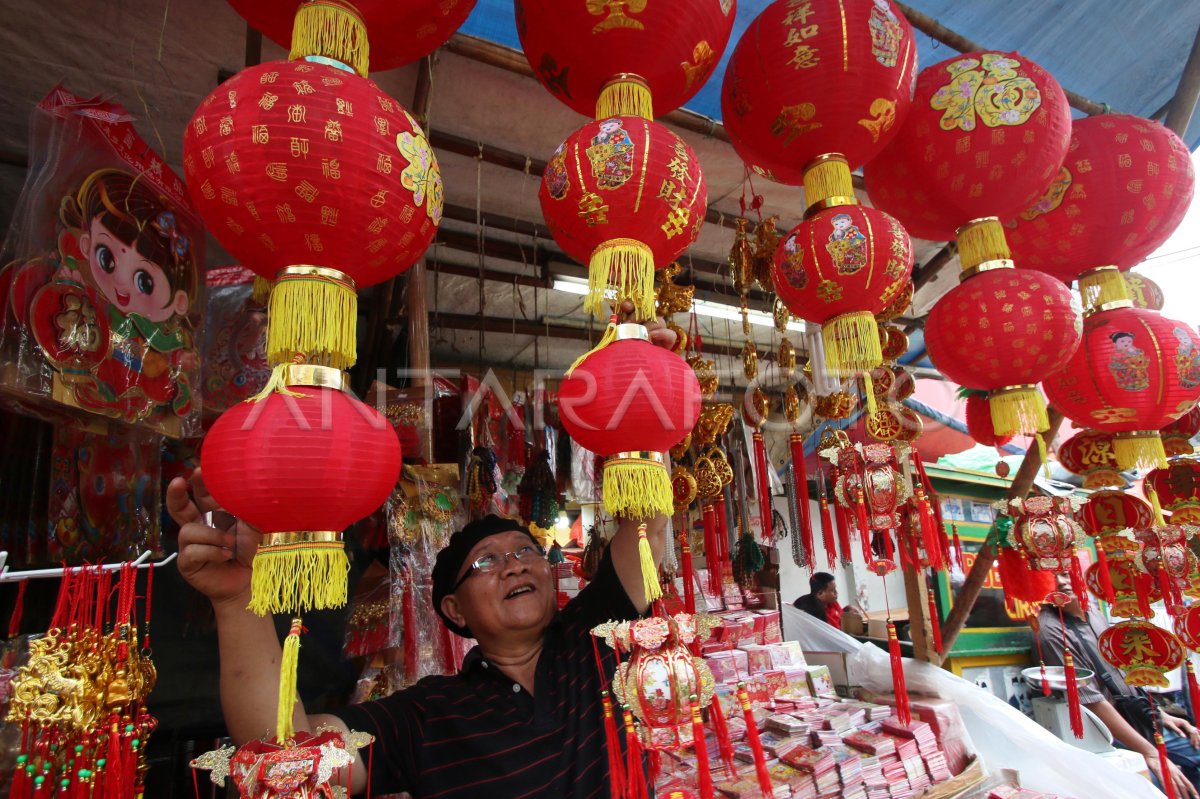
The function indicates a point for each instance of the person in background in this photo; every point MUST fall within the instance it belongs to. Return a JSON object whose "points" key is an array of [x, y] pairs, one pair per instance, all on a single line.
{"points": [[1110, 698], [822, 599]]}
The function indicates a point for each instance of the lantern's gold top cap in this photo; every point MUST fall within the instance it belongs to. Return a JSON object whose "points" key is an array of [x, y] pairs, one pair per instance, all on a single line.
{"points": [[630, 330]]}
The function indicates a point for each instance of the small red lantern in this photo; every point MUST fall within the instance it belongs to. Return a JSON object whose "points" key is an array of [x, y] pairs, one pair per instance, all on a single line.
{"points": [[979, 420], [1136, 371], [1177, 436], [1047, 533], [1178, 489], [606, 58], [1166, 557], [986, 135], [1144, 652], [1089, 454], [1121, 192], [1144, 292], [1107, 513], [312, 176], [625, 196], [1133, 591], [301, 465], [808, 79], [1002, 330]]}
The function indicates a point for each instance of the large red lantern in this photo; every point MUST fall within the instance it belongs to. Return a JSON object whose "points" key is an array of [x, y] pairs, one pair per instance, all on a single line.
{"points": [[1177, 436], [1136, 371], [1144, 652], [625, 196], [1089, 454], [1178, 489], [605, 58], [312, 176], [1121, 192], [1106, 513], [301, 465], [808, 79], [1002, 330], [400, 33], [987, 133]]}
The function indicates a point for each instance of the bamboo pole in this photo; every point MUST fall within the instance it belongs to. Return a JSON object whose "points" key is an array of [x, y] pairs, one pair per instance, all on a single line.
{"points": [[1183, 104]]}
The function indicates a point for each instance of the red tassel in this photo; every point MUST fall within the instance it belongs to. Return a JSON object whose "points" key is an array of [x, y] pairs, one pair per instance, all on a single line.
{"points": [[1015, 576], [764, 487], [1164, 586], [635, 775], [724, 564], [1078, 584], [1110, 596], [860, 514], [712, 550], [827, 532], [703, 772], [958, 550], [1193, 687], [929, 534], [1164, 765], [903, 714], [1073, 706], [760, 761], [20, 787], [889, 549], [113, 766], [1042, 663], [616, 769], [1144, 587], [689, 574], [716, 714], [800, 475], [935, 622]]}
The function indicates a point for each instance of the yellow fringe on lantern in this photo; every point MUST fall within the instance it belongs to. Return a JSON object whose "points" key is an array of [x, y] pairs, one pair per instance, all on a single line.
{"points": [[284, 729], [1141, 449], [261, 292], [626, 265], [1042, 453], [306, 571], [315, 316], [610, 335], [1159, 521], [626, 95], [637, 488], [982, 240], [827, 178], [851, 343], [276, 384], [333, 30], [1102, 285], [1018, 409], [869, 390], [650, 583]]}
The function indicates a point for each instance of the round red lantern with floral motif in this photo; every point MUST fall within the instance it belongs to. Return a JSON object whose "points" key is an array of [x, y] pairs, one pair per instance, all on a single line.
{"points": [[1136, 371], [1144, 652], [987, 133], [625, 196], [1089, 454], [808, 79], [605, 58], [1187, 627], [1177, 436], [1144, 292], [1167, 558], [1178, 489]]}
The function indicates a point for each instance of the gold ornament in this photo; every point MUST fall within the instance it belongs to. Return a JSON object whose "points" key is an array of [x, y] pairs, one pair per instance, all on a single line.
{"points": [[672, 298], [683, 488], [721, 466], [681, 338], [750, 360], [899, 306], [680, 449], [713, 422], [758, 405], [787, 357], [766, 241], [781, 315], [838, 405], [706, 373]]}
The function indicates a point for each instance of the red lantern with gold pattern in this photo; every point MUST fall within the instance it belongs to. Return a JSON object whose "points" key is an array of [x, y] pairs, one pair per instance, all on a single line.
{"points": [[1177, 436], [1144, 652], [1144, 292], [1133, 590], [315, 178], [1167, 558], [1121, 192], [609, 57], [1109, 512], [1187, 627], [1136, 371], [808, 79], [986, 135], [1178, 489], [1089, 454], [625, 196]]}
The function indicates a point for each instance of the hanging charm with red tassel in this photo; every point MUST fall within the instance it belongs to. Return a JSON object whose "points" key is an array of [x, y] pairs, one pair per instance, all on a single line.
{"points": [[827, 531], [1074, 707], [764, 487], [800, 487]]}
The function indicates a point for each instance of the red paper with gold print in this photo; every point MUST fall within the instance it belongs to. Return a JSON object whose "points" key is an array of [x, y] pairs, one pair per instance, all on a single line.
{"points": [[302, 163], [986, 135], [1165, 548], [1109, 512], [1135, 370], [1120, 193], [1127, 581], [841, 260], [1187, 627], [1002, 327], [1177, 436], [1144, 652], [1089, 454], [575, 48], [1178, 488], [809, 78], [624, 178], [399, 33]]}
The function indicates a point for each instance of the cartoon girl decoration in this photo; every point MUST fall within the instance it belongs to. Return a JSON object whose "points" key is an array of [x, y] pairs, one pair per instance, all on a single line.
{"points": [[558, 178], [886, 33], [791, 267], [847, 245], [1128, 363], [113, 321], [611, 154], [1187, 359]]}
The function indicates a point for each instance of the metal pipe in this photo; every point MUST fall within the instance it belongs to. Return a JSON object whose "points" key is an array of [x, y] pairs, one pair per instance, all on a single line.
{"points": [[1183, 104]]}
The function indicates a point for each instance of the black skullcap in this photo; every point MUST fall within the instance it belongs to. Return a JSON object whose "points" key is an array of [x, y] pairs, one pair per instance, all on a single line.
{"points": [[450, 559]]}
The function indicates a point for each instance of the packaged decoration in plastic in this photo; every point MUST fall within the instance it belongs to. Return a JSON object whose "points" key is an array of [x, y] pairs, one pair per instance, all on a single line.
{"points": [[103, 257], [235, 340]]}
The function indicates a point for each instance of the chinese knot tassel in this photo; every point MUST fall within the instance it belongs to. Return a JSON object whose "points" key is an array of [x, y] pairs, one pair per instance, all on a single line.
{"points": [[635, 775], [898, 685], [930, 535], [704, 773], [1193, 686], [723, 560], [756, 747], [712, 551], [334, 30], [1164, 765], [689, 574], [864, 525], [616, 769], [958, 550], [288, 664], [625, 95], [800, 471], [716, 714], [1106, 586], [1073, 705], [1042, 664], [650, 582], [827, 532], [1078, 585], [764, 486], [935, 622], [1144, 588]]}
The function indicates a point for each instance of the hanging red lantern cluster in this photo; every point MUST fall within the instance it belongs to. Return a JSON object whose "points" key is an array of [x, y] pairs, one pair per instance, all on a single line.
{"points": [[1177, 436], [1089, 454], [1136, 371], [1178, 488], [1144, 652], [1121, 192]]}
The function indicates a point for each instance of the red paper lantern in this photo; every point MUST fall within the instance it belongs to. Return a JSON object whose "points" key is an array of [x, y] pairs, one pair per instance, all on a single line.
{"points": [[1109, 512], [986, 135], [1144, 292], [1187, 627], [808, 79], [1133, 591], [838, 268], [400, 33], [1002, 331], [1178, 489], [606, 58], [1167, 558], [310, 174], [979, 421], [1144, 652], [1136, 371], [1177, 436], [301, 467], [1046, 533], [1120, 193], [625, 196], [1089, 454]]}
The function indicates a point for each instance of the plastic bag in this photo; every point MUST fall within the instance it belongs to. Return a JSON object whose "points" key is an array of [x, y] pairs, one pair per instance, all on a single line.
{"points": [[235, 346]]}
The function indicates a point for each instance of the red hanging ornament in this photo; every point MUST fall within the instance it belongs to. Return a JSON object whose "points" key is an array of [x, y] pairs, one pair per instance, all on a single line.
{"points": [[764, 486], [1177, 436], [979, 419], [756, 747], [1178, 489], [827, 530], [1089, 454], [935, 621], [1143, 651], [1166, 556], [800, 473]]}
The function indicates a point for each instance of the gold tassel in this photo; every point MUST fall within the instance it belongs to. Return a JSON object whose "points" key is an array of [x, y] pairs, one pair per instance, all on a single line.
{"points": [[299, 572], [1018, 409], [869, 390], [610, 335], [650, 583], [638, 488], [276, 384], [1101, 286], [1043, 454], [1141, 449], [851, 343], [261, 292], [313, 314], [828, 178], [284, 729], [626, 265], [1159, 521], [331, 29], [982, 240], [627, 95]]}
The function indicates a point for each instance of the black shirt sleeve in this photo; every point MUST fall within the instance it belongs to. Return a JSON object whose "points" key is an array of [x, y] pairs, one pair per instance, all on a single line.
{"points": [[395, 723], [603, 599], [812, 606]]}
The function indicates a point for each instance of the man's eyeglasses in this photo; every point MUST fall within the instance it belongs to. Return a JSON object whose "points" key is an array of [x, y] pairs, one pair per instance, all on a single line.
{"points": [[492, 562]]}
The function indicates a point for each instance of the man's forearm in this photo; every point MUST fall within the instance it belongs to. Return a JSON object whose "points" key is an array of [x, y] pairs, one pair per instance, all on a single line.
{"points": [[624, 548], [1120, 729]]}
